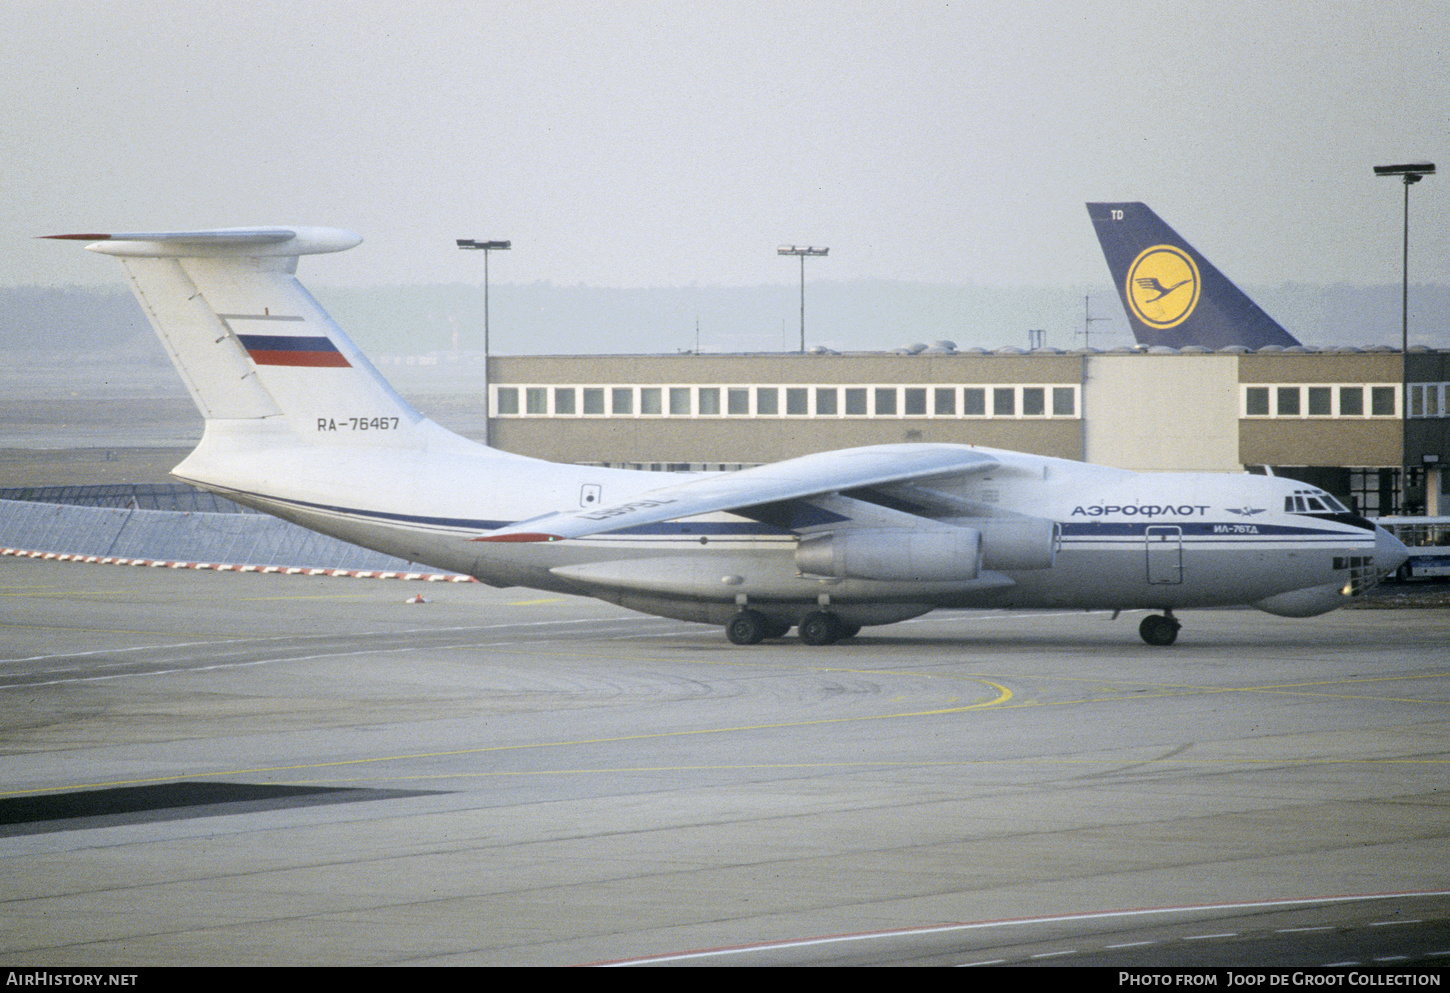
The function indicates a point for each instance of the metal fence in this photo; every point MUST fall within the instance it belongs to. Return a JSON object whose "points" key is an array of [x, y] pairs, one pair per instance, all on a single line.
{"points": [[203, 536], [152, 496]]}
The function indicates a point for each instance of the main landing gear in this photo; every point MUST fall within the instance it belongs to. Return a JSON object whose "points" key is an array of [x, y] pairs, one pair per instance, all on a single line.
{"points": [[1159, 629], [751, 627], [819, 627]]}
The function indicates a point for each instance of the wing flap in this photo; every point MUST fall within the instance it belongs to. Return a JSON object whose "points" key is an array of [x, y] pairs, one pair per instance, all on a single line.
{"points": [[793, 479]]}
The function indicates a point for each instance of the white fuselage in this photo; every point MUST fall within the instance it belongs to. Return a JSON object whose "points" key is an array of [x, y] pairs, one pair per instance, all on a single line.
{"points": [[1122, 540]]}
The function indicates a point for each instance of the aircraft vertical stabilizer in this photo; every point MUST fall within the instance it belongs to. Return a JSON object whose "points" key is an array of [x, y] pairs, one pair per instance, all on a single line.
{"points": [[251, 344], [1172, 294]]}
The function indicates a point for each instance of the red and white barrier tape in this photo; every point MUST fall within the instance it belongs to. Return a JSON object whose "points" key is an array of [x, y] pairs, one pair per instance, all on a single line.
{"points": [[286, 570]]}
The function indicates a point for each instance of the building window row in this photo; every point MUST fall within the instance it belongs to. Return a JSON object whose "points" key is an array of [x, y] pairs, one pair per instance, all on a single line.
{"points": [[1430, 399], [1046, 401], [1327, 400]]}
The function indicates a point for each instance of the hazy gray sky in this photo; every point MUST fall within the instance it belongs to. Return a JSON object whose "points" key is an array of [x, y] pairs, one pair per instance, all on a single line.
{"points": [[641, 143]]}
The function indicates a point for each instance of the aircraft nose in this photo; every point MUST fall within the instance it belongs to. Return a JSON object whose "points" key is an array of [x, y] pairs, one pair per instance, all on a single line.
{"points": [[1389, 552]]}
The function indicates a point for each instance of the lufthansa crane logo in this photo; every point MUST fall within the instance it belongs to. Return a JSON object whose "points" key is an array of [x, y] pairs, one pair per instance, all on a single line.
{"points": [[1162, 286]]}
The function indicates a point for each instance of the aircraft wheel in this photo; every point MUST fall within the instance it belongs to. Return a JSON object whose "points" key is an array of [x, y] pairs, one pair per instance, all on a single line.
{"points": [[820, 628], [749, 627], [849, 630], [1159, 629]]}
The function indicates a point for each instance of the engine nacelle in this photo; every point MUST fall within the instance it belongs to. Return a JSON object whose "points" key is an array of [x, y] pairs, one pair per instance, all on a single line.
{"points": [[911, 555], [1010, 544]]}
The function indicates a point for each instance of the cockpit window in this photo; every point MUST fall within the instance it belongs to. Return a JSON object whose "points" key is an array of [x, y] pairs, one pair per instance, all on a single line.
{"points": [[1313, 502]]}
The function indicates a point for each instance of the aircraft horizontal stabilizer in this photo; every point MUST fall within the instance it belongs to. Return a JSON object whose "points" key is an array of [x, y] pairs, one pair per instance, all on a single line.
{"points": [[220, 243], [793, 479]]}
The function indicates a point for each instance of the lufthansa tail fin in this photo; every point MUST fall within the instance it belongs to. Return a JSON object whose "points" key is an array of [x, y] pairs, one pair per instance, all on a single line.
{"points": [[1172, 294], [258, 354]]}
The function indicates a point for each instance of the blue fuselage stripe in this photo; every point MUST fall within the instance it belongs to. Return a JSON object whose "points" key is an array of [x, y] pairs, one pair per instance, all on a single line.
{"points": [[1213, 529], [1072, 533], [692, 530]]}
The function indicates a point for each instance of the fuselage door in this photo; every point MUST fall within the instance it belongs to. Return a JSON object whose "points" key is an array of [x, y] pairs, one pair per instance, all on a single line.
{"points": [[1165, 554], [589, 495]]}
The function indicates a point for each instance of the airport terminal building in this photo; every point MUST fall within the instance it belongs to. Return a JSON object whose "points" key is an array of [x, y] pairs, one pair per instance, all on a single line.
{"points": [[1215, 384], [1336, 418]]}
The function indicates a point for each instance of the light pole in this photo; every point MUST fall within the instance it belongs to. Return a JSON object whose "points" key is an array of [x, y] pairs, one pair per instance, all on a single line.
{"points": [[485, 247], [802, 251], [1411, 173]]}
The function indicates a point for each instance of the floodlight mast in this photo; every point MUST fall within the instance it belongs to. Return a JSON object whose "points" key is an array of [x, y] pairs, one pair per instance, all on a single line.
{"points": [[802, 251], [485, 247], [1411, 173]]}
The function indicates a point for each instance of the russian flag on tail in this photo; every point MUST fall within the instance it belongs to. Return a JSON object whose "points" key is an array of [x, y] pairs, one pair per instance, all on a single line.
{"points": [[316, 351]]}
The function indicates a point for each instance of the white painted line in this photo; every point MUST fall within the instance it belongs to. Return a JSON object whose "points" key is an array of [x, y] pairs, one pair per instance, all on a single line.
{"points": [[982, 925]]}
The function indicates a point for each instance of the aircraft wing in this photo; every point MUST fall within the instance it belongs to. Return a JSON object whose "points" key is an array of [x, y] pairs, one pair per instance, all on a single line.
{"points": [[793, 479]]}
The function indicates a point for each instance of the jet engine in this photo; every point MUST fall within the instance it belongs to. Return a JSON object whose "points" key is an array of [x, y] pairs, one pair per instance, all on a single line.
{"points": [[944, 553], [909, 555], [1010, 544]]}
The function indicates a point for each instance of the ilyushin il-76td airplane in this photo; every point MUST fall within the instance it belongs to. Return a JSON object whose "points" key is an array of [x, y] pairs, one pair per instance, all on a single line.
{"points": [[299, 424]]}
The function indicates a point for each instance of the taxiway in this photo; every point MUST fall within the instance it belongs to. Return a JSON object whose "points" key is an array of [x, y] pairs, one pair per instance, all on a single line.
{"points": [[496, 777]]}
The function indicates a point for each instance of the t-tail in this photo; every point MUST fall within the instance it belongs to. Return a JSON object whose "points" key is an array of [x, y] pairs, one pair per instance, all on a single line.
{"points": [[1172, 294], [246, 337], [298, 422]]}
